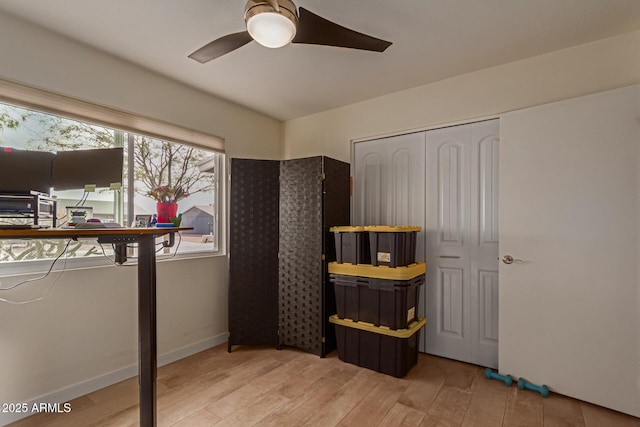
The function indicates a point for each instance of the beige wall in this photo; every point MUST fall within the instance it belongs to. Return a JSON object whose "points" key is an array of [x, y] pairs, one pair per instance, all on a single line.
{"points": [[83, 336], [580, 70]]}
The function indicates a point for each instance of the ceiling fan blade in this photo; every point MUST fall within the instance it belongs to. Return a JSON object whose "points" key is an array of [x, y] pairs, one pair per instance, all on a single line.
{"points": [[221, 46], [314, 29]]}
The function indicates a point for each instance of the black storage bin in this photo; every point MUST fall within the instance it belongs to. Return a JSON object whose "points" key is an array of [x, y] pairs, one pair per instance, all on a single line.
{"points": [[393, 246], [378, 348], [382, 302], [352, 245]]}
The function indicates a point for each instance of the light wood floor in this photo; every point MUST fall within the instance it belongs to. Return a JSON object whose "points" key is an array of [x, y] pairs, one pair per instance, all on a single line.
{"points": [[267, 387]]}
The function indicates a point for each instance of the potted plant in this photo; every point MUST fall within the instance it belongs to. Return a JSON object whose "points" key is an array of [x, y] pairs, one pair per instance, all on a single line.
{"points": [[167, 198], [168, 173]]}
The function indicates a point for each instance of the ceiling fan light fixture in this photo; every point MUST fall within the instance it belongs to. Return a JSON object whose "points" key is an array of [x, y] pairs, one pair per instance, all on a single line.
{"points": [[271, 26], [271, 29]]}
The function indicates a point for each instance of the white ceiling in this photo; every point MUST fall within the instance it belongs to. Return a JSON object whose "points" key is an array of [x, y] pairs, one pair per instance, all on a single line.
{"points": [[432, 40]]}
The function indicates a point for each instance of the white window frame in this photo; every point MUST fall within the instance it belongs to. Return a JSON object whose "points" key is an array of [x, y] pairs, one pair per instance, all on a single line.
{"points": [[67, 107]]}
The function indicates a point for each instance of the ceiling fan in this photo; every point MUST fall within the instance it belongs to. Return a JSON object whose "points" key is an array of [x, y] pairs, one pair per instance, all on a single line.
{"points": [[276, 23]]}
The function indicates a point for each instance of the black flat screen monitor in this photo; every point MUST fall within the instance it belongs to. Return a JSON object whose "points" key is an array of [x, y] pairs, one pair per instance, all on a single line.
{"points": [[73, 170], [23, 171]]}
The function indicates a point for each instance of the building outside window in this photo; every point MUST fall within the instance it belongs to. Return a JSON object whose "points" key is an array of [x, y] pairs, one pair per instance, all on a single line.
{"points": [[153, 171]]}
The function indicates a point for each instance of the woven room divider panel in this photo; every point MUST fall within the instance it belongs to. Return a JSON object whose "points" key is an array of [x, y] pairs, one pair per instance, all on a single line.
{"points": [[313, 195], [336, 211], [253, 252], [300, 256]]}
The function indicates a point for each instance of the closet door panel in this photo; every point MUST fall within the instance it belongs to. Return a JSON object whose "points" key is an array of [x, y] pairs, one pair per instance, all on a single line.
{"points": [[389, 183], [484, 239], [389, 188], [462, 223], [450, 323]]}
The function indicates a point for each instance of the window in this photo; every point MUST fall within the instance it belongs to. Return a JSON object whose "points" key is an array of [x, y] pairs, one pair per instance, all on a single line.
{"points": [[153, 169]]}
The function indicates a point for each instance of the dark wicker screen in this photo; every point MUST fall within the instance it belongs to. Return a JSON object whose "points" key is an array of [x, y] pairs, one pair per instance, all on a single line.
{"points": [[253, 251], [336, 211], [301, 242], [280, 214]]}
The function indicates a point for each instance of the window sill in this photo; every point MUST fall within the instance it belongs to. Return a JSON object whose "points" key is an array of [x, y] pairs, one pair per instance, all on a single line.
{"points": [[39, 267]]}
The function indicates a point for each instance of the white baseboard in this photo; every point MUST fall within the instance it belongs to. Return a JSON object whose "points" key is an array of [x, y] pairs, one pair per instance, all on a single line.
{"points": [[85, 387], [189, 350]]}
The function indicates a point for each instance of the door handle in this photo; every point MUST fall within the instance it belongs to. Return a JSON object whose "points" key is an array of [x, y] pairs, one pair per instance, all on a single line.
{"points": [[449, 256], [508, 259]]}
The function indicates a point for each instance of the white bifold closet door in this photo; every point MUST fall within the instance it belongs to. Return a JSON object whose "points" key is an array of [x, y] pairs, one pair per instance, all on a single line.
{"points": [[389, 186], [462, 243], [444, 180]]}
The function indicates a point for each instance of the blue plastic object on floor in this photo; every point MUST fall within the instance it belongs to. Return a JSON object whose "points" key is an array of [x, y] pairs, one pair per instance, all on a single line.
{"points": [[542, 389], [506, 379]]}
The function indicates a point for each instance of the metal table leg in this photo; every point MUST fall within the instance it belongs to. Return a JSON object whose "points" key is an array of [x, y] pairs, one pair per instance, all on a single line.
{"points": [[147, 351]]}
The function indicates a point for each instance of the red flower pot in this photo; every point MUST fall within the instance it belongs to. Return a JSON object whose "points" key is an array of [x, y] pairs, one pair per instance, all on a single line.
{"points": [[166, 211]]}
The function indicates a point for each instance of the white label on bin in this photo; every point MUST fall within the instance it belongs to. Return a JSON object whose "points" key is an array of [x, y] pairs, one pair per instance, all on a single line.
{"points": [[384, 257], [411, 314]]}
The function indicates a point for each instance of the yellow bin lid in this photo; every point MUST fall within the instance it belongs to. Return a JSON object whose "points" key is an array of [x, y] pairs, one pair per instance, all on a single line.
{"points": [[383, 330], [379, 271], [392, 228], [346, 229]]}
